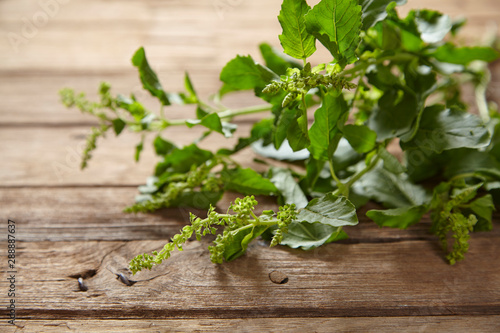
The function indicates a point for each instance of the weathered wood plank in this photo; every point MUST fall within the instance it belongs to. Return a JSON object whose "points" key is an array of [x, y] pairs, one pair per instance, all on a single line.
{"points": [[196, 34], [62, 214], [43, 107], [192, 33], [356, 280], [34, 156], [364, 278], [200, 44], [428, 324]]}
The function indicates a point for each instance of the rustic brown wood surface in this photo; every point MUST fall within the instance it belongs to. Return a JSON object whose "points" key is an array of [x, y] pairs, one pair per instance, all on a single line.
{"points": [[70, 223]]}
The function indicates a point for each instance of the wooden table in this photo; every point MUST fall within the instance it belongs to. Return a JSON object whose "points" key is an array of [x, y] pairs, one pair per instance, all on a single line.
{"points": [[69, 223]]}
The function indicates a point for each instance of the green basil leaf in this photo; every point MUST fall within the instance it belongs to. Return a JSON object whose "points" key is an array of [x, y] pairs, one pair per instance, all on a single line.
{"points": [[138, 149], [448, 129], [148, 77], [286, 117], [297, 139], [465, 161], [381, 77], [421, 79], [394, 115], [288, 187], [162, 147], [248, 182], [200, 112], [276, 60], [240, 240], [422, 164], [260, 131], [374, 11], [243, 73], [391, 163], [295, 39], [196, 199], [308, 236], [314, 169], [336, 24], [400, 218], [344, 156], [494, 146], [192, 97], [324, 130], [180, 160], [408, 29], [483, 209], [284, 153], [213, 122], [432, 25], [463, 55], [118, 125], [393, 191], [135, 108], [330, 210], [361, 138], [389, 37]]}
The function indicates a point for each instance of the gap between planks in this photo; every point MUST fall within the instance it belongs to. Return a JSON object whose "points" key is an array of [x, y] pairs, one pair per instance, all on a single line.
{"points": [[428, 324]]}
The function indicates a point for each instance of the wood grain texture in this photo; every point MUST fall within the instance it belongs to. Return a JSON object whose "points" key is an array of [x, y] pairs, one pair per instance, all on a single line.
{"points": [[192, 34], [34, 156], [59, 214], [179, 36], [427, 324], [70, 223], [44, 108], [336, 280], [198, 35]]}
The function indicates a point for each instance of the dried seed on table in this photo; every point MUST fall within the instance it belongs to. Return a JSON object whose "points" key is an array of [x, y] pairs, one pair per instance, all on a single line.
{"points": [[123, 279], [82, 285]]}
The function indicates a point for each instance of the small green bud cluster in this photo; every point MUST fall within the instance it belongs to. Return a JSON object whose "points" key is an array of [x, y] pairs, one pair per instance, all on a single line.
{"points": [[91, 143], [461, 227], [243, 207], [70, 99], [202, 176], [241, 221], [298, 82], [198, 176], [449, 218], [200, 227], [159, 200], [107, 99], [286, 215], [213, 183], [220, 245]]}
